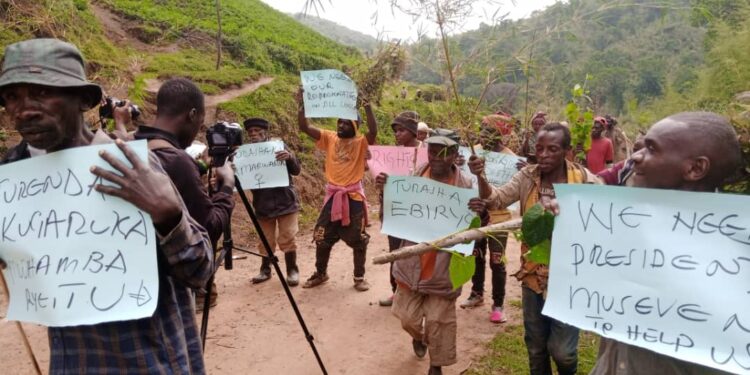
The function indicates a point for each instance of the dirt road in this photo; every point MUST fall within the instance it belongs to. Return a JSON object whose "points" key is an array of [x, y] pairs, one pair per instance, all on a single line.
{"points": [[253, 329]]}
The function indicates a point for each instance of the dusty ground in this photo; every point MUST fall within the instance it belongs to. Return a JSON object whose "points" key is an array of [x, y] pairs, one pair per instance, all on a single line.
{"points": [[253, 329]]}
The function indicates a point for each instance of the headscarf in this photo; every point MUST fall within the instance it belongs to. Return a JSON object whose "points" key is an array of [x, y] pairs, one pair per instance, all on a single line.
{"points": [[503, 122]]}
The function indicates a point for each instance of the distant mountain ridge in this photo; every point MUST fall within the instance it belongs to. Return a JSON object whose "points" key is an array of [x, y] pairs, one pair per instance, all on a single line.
{"points": [[338, 33]]}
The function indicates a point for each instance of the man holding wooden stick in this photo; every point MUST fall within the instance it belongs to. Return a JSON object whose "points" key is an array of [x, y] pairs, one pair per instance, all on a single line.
{"points": [[544, 336], [425, 292]]}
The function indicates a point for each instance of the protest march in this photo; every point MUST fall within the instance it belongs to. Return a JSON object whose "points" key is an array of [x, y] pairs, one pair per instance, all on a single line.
{"points": [[232, 188]]}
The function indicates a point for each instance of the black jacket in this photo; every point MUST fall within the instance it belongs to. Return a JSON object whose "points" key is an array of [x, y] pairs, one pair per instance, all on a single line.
{"points": [[213, 212]]}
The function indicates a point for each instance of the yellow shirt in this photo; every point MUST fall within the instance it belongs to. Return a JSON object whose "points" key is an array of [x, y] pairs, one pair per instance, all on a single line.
{"points": [[345, 159]]}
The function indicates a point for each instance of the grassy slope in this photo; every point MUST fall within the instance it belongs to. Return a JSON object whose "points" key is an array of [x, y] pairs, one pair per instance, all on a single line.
{"points": [[257, 41], [255, 34]]}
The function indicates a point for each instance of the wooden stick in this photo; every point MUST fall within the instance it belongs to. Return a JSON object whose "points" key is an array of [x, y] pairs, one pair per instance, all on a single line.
{"points": [[447, 241], [25, 339]]}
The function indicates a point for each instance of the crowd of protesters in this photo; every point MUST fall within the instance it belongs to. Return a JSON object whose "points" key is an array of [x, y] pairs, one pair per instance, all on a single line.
{"points": [[45, 92]]}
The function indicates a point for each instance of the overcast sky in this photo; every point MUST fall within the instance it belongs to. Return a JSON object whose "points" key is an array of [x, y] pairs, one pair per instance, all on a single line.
{"points": [[358, 15]]}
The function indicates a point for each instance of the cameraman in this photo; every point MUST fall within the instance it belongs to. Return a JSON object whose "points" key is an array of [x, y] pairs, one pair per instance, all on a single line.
{"points": [[180, 113]]}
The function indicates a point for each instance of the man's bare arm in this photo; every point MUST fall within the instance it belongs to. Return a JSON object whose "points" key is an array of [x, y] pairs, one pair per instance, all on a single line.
{"points": [[372, 125], [304, 125]]}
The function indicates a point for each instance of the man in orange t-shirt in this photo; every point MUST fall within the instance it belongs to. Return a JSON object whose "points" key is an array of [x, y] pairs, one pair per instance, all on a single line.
{"points": [[344, 212]]}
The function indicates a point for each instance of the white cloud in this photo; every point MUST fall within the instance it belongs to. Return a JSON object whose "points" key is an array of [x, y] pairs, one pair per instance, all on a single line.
{"points": [[376, 18]]}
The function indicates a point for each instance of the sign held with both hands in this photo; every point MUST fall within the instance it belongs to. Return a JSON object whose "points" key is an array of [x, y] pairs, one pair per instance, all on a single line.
{"points": [[257, 167], [664, 270]]}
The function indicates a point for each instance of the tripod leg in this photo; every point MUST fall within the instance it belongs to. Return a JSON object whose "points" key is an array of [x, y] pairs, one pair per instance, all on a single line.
{"points": [[206, 309], [275, 263]]}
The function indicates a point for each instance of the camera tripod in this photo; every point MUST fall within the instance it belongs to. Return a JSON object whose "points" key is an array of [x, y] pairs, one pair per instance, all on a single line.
{"points": [[226, 253]]}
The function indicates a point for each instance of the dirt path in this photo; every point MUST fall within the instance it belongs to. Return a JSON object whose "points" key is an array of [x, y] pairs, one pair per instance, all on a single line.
{"points": [[213, 101], [116, 29], [253, 329]]}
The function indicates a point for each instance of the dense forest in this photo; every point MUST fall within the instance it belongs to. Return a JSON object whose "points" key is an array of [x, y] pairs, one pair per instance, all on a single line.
{"points": [[630, 52]]}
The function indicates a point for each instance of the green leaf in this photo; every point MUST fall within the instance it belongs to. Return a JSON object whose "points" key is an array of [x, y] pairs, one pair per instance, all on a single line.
{"points": [[461, 269], [577, 91], [476, 222], [540, 253], [537, 225]]}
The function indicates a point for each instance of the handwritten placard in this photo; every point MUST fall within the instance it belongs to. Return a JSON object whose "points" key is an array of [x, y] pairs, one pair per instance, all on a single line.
{"points": [[329, 93], [665, 270], [498, 167], [421, 210], [74, 256], [257, 167], [392, 160]]}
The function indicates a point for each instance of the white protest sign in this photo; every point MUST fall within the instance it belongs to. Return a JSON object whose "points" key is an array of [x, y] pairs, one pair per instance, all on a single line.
{"points": [[329, 93], [421, 210], [257, 167], [665, 270], [75, 256], [498, 167]]}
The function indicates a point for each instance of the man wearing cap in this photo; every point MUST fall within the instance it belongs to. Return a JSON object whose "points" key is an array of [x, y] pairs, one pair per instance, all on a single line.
{"points": [[601, 154], [344, 213], [405, 130], [44, 90], [277, 209], [425, 291]]}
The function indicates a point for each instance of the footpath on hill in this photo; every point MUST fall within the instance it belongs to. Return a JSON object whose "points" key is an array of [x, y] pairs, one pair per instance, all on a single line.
{"points": [[253, 329]]}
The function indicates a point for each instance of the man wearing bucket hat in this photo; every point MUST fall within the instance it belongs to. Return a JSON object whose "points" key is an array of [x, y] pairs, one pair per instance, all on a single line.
{"points": [[44, 90], [344, 213], [425, 291], [405, 129]]}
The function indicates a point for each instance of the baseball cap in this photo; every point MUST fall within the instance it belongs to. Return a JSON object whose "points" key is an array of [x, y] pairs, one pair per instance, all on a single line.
{"points": [[445, 137]]}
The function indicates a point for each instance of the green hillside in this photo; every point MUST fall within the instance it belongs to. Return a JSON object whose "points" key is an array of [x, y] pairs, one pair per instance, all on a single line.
{"points": [[130, 46], [165, 39], [633, 52], [340, 34]]}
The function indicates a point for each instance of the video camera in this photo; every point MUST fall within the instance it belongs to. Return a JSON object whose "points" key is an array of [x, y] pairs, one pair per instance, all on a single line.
{"points": [[107, 110], [223, 137]]}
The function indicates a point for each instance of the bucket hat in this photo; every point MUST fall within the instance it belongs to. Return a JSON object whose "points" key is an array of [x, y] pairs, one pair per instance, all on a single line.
{"points": [[47, 62]]}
